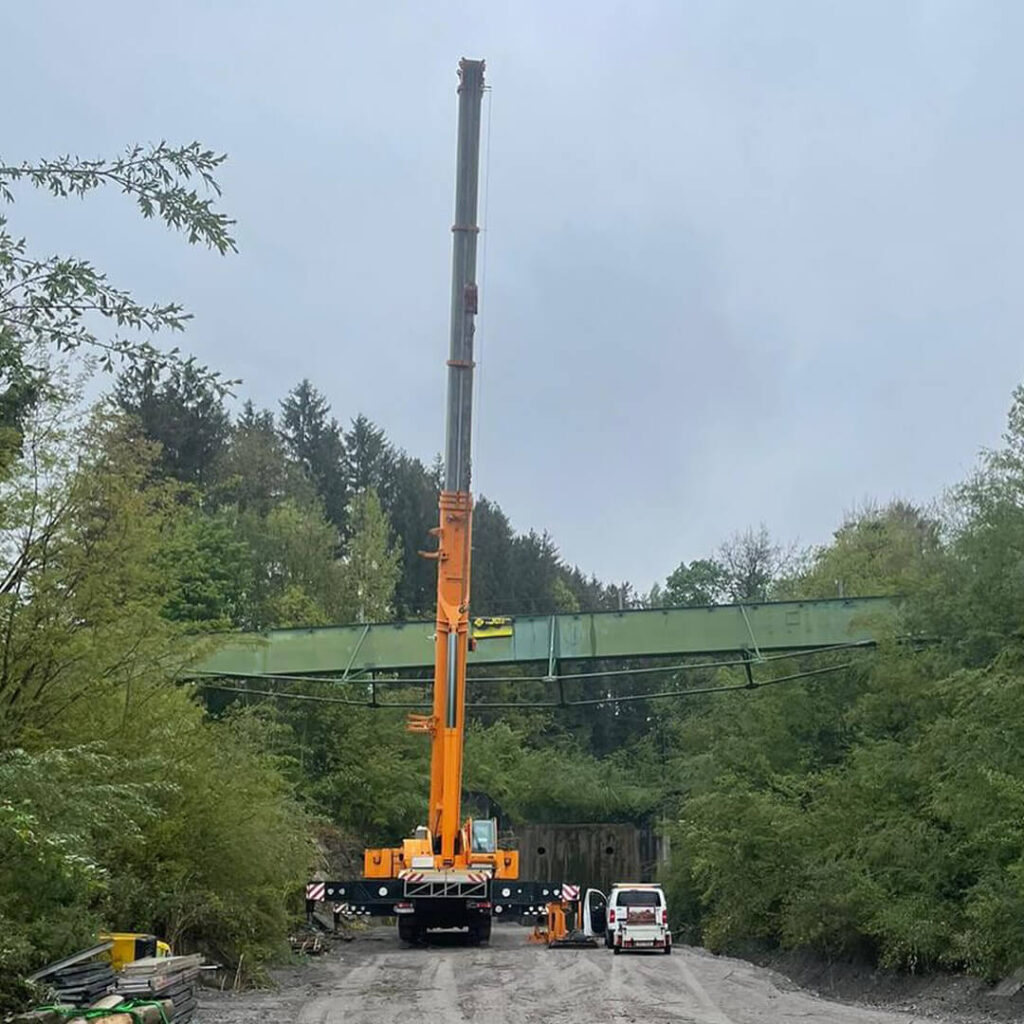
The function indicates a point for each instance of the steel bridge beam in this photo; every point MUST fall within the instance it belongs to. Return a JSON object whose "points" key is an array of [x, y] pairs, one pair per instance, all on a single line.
{"points": [[684, 632]]}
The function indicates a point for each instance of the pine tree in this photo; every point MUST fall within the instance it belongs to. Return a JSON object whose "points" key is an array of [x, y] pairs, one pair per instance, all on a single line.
{"points": [[314, 441], [370, 459], [182, 411]]}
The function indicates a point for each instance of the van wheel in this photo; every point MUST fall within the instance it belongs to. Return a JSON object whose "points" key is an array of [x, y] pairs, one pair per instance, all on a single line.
{"points": [[668, 949], [608, 940], [616, 950]]}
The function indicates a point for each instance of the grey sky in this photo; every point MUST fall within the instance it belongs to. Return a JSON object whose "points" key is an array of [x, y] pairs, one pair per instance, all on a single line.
{"points": [[744, 261]]}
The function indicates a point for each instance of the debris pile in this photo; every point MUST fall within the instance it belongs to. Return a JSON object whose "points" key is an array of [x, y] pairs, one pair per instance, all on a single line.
{"points": [[308, 943], [163, 977], [320, 931]]}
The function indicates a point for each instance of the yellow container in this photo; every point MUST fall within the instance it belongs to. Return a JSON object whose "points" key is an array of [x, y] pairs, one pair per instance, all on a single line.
{"points": [[129, 946]]}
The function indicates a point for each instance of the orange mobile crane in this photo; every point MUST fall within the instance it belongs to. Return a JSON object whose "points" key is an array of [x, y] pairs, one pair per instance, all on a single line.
{"points": [[448, 864], [444, 876]]}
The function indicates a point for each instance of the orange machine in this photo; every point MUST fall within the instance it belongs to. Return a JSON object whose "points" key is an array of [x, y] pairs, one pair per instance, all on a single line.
{"points": [[446, 869], [563, 927]]}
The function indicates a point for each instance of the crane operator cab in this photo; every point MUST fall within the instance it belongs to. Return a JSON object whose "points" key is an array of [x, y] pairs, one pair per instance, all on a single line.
{"points": [[483, 836]]}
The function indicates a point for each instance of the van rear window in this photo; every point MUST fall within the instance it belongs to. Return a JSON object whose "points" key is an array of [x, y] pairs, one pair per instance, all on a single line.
{"points": [[638, 898]]}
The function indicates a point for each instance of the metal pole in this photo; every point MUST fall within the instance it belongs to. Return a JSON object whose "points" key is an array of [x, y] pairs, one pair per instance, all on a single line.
{"points": [[464, 290]]}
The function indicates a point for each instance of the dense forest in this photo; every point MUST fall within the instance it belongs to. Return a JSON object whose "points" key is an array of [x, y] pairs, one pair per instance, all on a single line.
{"points": [[877, 811]]}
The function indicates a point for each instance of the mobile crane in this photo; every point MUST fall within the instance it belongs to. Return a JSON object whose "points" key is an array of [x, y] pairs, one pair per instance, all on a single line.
{"points": [[442, 876]]}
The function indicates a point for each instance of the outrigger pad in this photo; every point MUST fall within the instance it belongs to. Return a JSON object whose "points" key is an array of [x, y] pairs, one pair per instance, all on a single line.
{"points": [[376, 897]]}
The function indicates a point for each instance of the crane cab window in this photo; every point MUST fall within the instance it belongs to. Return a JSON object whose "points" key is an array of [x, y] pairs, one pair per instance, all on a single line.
{"points": [[484, 836]]}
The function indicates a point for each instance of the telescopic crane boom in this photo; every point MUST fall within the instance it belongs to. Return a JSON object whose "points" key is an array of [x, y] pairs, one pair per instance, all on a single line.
{"points": [[447, 867], [456, 504]]}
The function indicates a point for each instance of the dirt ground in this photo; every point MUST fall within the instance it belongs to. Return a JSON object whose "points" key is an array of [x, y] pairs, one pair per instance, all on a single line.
{"points": [[375, 980]]}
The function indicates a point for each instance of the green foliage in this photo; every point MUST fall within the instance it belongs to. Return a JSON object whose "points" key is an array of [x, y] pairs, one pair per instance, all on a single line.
{"points": [[704, 581], [557, 781], [751, 566], [370, 459], [58, 808], [294, 561], [253, 471], [413, 512], [371, 563], [123, 804], [361, 769], [181, 411], [874, 812], [315, 443], [81, 593], [886, 550], [55, 303], [211, 569], [223, 865], [879, 815]]}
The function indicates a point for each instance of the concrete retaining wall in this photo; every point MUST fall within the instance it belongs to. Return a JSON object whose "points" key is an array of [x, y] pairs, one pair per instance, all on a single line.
{"points": [[592, 855]]}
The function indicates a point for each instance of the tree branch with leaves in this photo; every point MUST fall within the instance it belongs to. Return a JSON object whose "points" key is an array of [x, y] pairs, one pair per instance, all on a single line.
{"points": [[61, 304]]}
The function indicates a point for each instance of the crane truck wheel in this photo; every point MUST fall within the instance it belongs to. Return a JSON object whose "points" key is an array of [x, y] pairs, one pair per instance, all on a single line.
{"points": [[407, 930]]}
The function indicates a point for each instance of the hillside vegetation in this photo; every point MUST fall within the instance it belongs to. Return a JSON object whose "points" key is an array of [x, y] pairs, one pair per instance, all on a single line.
{"points": [[876, 811]]}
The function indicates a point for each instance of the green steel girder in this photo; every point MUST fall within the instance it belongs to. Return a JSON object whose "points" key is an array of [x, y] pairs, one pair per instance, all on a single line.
{"points": [[718, 629]]}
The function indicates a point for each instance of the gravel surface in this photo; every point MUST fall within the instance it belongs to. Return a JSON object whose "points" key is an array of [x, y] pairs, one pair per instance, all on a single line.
{"points": [[375, 980]]}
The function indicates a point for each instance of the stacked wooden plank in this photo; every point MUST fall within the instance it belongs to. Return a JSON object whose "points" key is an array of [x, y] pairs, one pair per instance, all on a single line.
{"points": [[82, 984], [79, 978], [163, 977]]}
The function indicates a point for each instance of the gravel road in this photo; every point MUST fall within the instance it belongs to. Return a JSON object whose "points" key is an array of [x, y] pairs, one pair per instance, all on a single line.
{"points": [[374, 980]]}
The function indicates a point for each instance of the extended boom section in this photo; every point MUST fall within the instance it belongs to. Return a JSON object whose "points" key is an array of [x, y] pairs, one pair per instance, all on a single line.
{"points": [[446, 868]]}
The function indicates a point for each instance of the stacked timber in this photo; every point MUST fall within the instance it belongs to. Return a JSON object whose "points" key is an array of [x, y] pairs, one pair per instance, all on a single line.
{"points": [[82, 984], [78, 979], [163, 977]]}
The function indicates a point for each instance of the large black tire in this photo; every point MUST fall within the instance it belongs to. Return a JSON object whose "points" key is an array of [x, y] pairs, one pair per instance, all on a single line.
{"points": [[608, 940], [668, 949], [407, 930], [616, 950], [485, 930]]}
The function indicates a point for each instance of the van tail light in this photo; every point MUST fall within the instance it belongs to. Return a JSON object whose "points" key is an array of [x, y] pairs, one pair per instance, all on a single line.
{"points": [[611, 916], [664, 915]]}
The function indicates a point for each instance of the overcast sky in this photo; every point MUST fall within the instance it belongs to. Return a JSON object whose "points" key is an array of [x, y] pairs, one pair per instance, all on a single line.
{"points": [[745, 261]]}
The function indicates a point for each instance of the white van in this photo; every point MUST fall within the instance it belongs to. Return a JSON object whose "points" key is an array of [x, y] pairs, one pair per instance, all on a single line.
{"points": [[636, 917]]}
